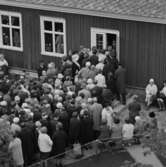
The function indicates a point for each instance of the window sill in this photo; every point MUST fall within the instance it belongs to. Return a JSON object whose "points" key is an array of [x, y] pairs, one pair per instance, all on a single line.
{"points": [[11, 48], [52, 54]]}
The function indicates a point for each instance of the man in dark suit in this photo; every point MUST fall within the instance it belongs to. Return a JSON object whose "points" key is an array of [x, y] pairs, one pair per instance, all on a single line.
{"points": [[120, 84]]}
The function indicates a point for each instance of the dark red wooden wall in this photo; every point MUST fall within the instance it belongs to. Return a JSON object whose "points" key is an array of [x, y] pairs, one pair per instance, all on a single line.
{"points": [[142, 45]]}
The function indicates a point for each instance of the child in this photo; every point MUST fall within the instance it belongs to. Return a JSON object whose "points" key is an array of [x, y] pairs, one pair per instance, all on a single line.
{"points": [[127, 130], [152, 120]]}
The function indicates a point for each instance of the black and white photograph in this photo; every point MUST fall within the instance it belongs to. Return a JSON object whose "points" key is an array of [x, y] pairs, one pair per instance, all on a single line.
{"points": [[82, 83]]}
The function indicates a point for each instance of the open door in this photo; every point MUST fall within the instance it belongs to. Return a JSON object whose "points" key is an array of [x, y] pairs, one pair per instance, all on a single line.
{"points": [[102, 38]]}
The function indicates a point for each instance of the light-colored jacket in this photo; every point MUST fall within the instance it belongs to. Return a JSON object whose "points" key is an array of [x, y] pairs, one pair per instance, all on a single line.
{"points": [[15, 148], [45, 143]]}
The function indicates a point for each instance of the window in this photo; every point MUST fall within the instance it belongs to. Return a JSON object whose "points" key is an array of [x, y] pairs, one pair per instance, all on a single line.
{"points": [[53, 36], [11, 31], [102, 38]]}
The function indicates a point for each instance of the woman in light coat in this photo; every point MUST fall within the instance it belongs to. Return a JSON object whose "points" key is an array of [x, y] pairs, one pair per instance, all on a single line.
{"points": [[15, 148]]}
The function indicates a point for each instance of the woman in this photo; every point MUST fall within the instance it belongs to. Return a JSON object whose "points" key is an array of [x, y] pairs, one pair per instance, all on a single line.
{"points": [[15, 147], [151, 92]]}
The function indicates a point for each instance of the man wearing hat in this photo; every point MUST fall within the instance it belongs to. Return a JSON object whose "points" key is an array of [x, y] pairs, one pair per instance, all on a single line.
{"points": [[121, 83]]}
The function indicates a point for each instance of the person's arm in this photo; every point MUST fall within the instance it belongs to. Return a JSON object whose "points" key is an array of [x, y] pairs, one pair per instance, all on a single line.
{"points": [[147, 89], [123, 131], [5, 63], [156, 89], [50, 142], [103, 115], [10, 146]]}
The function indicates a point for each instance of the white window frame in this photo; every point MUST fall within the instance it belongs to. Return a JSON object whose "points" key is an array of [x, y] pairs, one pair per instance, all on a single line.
{"points": [[52, 19], [95, 31], [10, 14]]}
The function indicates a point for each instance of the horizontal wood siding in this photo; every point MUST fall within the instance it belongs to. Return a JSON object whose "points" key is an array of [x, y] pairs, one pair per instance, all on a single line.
{"points": [[142, 45]]}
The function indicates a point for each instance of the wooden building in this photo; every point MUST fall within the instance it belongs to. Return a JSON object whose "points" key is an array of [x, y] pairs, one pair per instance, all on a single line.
{"points": [[31, 30]]}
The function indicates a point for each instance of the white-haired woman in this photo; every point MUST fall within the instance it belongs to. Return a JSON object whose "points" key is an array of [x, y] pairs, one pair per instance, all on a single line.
{"points": [[151, 92]]}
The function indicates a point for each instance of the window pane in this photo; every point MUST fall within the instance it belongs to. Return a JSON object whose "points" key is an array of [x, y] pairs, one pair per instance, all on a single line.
{"points": [[59, 44], [48, 42], [5, 19], [16, 37], [99, 41], [15, 21], [6, 36], [48, 25], [59, 27]]}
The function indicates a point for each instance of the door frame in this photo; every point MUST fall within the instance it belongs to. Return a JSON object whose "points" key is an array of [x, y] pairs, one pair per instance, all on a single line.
{"points": [[95, 30]]}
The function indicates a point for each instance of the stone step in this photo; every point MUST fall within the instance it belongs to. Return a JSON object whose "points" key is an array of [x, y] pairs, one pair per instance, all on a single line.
{"points": [[137, 152]]}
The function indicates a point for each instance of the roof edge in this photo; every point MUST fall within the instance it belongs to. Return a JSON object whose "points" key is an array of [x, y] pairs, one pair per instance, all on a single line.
{"points": [[83, 12]]}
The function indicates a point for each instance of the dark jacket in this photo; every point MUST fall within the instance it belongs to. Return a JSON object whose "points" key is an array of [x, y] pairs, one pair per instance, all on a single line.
{"points": [[74, 130], [59, 142], [94, 60], [120, 80], [29, 144], [86, 131]]}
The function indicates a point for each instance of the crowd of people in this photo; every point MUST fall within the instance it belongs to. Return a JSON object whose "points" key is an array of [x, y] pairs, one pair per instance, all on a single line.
{"points": [[65, 106]]}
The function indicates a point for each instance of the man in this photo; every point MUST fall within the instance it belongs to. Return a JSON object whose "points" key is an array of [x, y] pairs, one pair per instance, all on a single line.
{"points": [[120, 84], [59, 144], [74, 128], [134, 109], [94, 57], [151, 92], [29, 142]]}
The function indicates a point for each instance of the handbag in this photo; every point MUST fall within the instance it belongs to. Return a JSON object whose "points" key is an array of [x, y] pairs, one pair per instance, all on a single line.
{"points": [[77, 150]]}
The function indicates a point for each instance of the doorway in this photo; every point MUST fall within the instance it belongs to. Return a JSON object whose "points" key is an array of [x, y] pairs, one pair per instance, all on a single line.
{"points": [[102, 38]]}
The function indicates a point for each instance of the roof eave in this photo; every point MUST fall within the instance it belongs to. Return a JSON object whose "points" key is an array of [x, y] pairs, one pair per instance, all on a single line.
{"points": [[83, 12]]}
